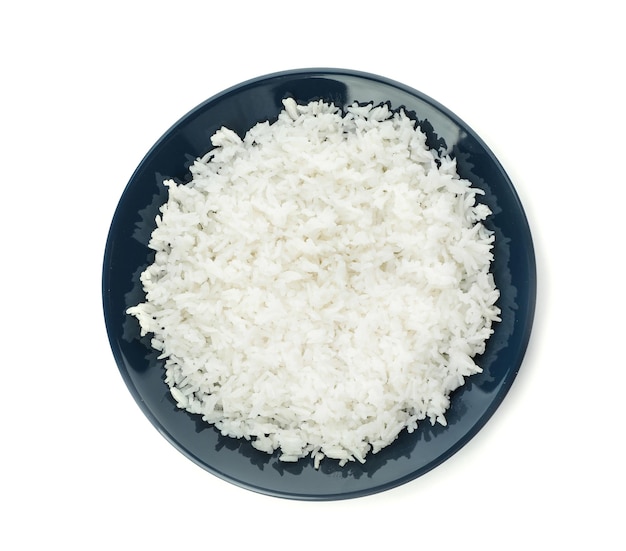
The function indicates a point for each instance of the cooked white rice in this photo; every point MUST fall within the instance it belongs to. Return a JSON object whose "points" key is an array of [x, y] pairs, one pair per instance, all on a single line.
{"points": [[322, 284]]}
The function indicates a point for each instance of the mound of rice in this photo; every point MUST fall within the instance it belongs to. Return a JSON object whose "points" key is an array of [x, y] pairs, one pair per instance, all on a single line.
{"points": [[321, 284]]}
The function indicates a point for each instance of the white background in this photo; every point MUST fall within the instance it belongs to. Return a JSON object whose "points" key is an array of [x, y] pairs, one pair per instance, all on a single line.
{"points": [[89, 87]]}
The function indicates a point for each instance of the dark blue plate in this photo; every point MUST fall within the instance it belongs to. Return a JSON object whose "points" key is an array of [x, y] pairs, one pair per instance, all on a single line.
{"points": [[411, 455]]}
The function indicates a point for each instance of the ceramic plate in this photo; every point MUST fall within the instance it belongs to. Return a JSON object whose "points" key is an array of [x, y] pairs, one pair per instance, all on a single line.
{"points": [[411, 455]]}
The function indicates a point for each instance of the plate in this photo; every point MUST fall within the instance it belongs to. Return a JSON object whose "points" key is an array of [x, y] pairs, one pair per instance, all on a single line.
{"points": [[411, 455]]}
